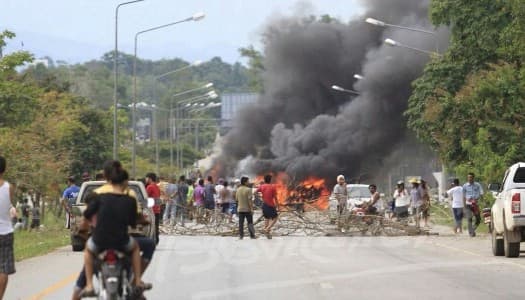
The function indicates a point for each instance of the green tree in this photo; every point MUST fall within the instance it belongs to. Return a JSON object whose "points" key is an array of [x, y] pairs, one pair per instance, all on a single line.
{"points": [[464, 105]]}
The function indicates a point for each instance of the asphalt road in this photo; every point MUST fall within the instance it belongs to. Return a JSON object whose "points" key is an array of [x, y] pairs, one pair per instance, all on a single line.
{"points": [[424, 267]]}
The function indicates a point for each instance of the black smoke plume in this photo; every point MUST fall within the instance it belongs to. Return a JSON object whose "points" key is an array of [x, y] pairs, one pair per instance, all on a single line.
{"points": [[300, 125]]}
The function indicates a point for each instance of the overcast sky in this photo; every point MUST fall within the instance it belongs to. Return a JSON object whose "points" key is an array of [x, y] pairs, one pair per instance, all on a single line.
{"points": [[81, 30]]}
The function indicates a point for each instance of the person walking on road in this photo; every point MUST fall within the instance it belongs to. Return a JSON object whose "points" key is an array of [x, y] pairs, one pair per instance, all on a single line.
{"points": [[472, 192], [456, 193], [7, 257], [270, 204], [245, 208]]}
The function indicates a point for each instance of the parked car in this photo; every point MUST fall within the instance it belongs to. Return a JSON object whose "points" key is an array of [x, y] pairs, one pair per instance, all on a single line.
{"points": [[508, 213], [78, 239], [357, 194]]}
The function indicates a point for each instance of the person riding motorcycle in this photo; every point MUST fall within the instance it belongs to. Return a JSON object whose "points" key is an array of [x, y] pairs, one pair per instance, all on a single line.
{"points": [[111, 214], [146, 244]]}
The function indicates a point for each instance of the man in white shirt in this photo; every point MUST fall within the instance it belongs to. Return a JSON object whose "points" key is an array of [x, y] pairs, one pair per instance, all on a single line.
{"points": [[456, 194]]}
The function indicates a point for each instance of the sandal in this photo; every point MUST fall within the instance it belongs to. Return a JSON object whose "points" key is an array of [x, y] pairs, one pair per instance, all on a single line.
{"points": [[146, 285], [86, 293], [136, 292]]}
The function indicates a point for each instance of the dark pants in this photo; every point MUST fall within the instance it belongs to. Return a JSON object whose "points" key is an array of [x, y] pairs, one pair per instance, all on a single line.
{"points": [[147, 247], [157, 225], [469, 214], [249, 218]]}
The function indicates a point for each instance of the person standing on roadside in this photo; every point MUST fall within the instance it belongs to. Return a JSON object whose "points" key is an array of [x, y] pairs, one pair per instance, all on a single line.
{"points": [[209, 194], [374, 205], [69, 198], [171, 206], [182, 199], [270, 204], [7, 257], [456, 193], [401, 201], [25, 214], [243, 196], [233, 205], [416, 200], [35, 218], [198, 199], [472, 192], [425, 204], [153, 191], [341, 194]]}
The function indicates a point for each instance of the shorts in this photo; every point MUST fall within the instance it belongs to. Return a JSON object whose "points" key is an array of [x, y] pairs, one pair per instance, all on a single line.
{"points": [[401, 211], [35, 223], [225, 208], [7, 256], [93, 248], [209, 205], [269, 212], [372, 210]]}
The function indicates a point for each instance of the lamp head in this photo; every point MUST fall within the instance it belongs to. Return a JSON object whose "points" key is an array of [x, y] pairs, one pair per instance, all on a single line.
{"points": [[375, 22], [198, 16], [337, 88], [209, 85], [391, 42]]}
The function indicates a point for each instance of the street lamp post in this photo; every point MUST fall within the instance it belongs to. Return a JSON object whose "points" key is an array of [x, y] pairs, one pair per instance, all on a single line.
{"points": [[393, 43], [172, 123], [209, 95], [115, 79], [384, 24], [196, 17], [181, 155]]}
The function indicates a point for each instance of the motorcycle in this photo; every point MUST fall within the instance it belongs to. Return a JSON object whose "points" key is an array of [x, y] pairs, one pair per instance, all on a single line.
{"points": [[114, 276], [487, 218]]}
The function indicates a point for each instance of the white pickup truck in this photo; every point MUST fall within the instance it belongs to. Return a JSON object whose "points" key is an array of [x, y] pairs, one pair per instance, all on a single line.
{"points": [[508, 213]]}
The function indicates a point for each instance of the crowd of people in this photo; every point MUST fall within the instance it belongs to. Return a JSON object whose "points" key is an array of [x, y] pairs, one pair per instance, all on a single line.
{"points": [[201, 200], [416, 202]]}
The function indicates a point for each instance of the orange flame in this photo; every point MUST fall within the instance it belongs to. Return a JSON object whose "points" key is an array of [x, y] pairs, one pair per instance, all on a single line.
{"points": [[311, 191]]}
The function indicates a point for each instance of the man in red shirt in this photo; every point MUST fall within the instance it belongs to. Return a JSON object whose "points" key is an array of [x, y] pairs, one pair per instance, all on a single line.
{"points": [[270, 204], [153, 191]]}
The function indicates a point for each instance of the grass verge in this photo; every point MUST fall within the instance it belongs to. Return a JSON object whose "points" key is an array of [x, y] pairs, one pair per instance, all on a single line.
{"points": [[47, 238]]}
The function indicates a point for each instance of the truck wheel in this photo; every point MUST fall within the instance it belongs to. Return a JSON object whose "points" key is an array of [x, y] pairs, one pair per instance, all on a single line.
{"points": [[497, 244], [511, 249]]}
